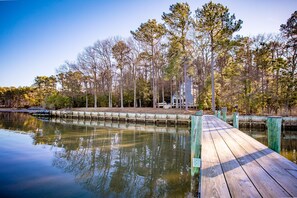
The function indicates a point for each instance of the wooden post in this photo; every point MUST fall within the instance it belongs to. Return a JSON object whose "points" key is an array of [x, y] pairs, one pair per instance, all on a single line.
{"points": [[219, 114], [236, 120], [274, 125], [224, 112], [199, 113], [196, 131]]}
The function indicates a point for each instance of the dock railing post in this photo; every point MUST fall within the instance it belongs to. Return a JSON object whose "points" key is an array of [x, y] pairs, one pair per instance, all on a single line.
{"points": [[196, 132], [199, 113], [224, 112], [274, 126], [219, 114], [236, 120]]}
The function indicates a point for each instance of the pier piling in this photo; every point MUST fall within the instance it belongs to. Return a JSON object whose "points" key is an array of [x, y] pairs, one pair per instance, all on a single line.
{"points": [[236, 120], [274, 125]]}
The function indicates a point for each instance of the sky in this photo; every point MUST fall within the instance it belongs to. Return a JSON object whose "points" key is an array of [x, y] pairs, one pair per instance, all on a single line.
{"points": [[36, 37]]}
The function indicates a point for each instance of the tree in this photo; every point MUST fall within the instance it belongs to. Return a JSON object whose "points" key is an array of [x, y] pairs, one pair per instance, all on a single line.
{"points": [[88, 65], [150, 34], [13, 97], [104, 53], [289, 30], [134, 61], [120, 52], [178, 23], [57, 101], [71, 82], [45, 86], [215, 21]]}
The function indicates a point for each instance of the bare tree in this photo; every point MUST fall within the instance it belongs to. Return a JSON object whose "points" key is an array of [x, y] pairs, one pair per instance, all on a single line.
{"points": [[134, 62], [104, 52], [88, 64]]}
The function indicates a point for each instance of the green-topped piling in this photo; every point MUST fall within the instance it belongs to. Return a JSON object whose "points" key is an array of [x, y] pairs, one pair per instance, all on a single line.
{"points": [[224, 112], [199, 113], [236, 120], [196, 132], [219, 114], [274, 125]]}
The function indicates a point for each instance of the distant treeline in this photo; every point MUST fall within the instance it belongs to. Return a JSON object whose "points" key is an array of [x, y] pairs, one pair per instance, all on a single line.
{"points": [[256, 73]]}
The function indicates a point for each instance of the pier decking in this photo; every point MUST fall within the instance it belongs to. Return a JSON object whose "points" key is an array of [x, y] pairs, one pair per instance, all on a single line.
{"points": [[236, 165]]}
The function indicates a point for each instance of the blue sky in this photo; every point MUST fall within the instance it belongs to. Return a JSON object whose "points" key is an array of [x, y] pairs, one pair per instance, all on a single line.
{"points": [[36, 37]]}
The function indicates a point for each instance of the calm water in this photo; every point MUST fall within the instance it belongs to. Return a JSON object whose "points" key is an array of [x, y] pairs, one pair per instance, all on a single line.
{"points": [[50, 159], [71, 158], [288, 140]]}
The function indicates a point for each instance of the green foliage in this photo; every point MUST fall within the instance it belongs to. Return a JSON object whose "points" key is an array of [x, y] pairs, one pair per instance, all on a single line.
{"points": [[120, 52], [17, 97], [290, 30], [144, 92], [103, 100], [57, 101], [149, 33], [215, 20], [128, 96], [216, 23], [45, 86], [177, 23]]}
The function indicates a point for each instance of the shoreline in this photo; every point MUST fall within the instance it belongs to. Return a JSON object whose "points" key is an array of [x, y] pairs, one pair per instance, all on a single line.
{"points": [[191, 111], [141, 113]]}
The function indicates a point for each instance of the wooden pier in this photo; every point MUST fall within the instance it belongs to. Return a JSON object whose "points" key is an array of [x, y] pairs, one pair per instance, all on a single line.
{"points": [[234, 164]]}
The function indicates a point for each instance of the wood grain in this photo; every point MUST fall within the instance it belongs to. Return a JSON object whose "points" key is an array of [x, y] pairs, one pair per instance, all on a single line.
{"points": [[234, 164]]}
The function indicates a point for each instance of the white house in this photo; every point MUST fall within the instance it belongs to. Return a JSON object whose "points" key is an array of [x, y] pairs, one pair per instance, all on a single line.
{"points": [[186, 91]]}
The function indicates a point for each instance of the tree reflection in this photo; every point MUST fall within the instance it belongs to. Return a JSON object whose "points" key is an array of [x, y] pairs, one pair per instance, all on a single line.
{"points": [[19, 121], [113, 162], [126, 163]]}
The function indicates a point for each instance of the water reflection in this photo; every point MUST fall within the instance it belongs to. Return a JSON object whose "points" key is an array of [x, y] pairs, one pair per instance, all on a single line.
{"points": [[288, 140], [113, 162]]}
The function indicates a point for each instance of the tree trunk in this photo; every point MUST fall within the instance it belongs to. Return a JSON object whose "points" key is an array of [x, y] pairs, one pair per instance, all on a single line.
{"points": [[121, 87], [135, 100], [95, 90], [213, 105], [109, 84], [171, 84], [153, 68], [163, 97], [262, 88], [185, 81], [177, 94], [134, 84], [110, 98], [87, 102], [180, 96]]}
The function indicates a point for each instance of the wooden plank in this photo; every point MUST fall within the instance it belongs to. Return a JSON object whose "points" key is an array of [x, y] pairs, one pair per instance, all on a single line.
{"points": [[264, 183], [238, 182], [213, 183], [273, 163], [282, 161], [293, 172]]}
